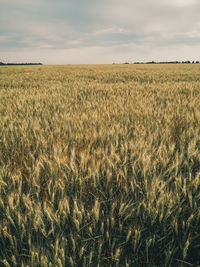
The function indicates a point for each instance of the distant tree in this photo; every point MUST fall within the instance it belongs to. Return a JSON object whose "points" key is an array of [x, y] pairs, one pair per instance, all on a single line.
{"points": [[186, 62], [151, 62], [19, 64]]}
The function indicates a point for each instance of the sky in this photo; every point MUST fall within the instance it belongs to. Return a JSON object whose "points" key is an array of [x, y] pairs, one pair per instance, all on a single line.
{"points": [[99, 31]]}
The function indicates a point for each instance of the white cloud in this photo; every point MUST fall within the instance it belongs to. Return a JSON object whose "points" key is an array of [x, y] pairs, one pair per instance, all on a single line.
{"points": [[182, 3], [4, 39], [111, 30]]}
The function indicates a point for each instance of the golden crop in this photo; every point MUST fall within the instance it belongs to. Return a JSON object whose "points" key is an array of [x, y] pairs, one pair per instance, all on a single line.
{"points": [[100, 165]]}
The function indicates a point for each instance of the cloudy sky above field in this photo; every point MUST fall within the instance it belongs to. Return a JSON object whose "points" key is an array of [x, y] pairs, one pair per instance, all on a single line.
{"points": [[99, 31]]}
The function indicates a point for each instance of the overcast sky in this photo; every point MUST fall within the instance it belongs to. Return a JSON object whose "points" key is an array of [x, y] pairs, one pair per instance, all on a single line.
{"points": [[99, 31]]}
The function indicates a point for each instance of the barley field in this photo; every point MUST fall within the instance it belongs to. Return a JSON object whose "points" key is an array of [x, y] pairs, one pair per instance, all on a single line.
{"points": [[100, 165]]}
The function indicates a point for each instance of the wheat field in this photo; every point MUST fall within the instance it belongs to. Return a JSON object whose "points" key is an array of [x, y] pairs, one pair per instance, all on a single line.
{"points": [[100, 165]]}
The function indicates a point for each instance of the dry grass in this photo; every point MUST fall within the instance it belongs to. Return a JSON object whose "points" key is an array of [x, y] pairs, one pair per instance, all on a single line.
{"points": [[100, 165]]}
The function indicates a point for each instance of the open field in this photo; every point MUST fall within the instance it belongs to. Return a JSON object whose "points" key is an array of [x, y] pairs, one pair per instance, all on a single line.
{"points": [[100, 165]]}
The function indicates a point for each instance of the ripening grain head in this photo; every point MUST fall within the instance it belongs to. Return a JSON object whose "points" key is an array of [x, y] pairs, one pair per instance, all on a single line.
{"points": [[99, 165]]}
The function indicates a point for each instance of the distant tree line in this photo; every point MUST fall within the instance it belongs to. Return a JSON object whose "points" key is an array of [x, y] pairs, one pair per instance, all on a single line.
{"points": [[167, 62], [16, 64]]}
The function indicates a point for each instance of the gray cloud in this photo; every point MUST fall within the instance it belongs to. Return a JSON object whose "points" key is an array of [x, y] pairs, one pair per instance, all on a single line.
{"points": [[124, 29]]}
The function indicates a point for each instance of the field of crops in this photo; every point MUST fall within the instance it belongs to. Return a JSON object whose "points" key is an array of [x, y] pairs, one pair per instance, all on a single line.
{"points": [[100, 165]]}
